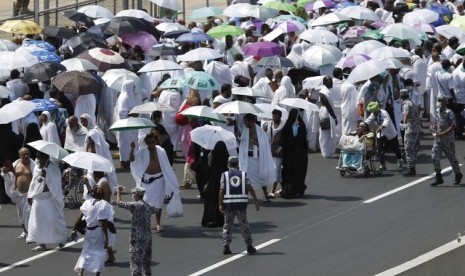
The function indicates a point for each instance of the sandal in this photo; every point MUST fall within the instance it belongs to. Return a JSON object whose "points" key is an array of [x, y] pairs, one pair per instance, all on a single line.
{"points": [[160, 229], [39, 248]]}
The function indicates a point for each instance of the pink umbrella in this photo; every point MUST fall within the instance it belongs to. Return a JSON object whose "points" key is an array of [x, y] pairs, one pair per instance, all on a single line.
{"points": [[141, 38], [426, 28], [355, 31], [352, 61], [263, 49]]}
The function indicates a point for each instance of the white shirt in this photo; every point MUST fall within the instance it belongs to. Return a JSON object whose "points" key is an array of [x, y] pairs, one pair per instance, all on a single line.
{"points": [[444, 83], [458, 78], [18, 87], [384, 120]]}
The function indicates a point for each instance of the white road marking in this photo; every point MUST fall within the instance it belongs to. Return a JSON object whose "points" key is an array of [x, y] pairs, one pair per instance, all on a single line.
{"points": [[231, 259], [38, 256], [408, 185]]}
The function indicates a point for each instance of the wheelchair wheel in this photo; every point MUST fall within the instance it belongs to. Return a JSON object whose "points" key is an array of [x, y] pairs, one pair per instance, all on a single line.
{"points": [[342, 172], [79, 192], [377, 166]]}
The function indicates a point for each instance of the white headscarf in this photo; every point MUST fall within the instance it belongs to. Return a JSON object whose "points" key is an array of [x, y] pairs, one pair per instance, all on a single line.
{"points": [[285, 90], [296, 55], [126, 100], [49, 130]]}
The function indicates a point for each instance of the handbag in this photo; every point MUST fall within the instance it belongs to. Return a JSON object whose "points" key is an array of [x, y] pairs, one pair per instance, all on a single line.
{"points": [[174, 209], [325, 123]]}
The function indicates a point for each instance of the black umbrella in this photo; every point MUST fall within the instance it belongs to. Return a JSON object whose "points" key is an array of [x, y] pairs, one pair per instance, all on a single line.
{"points": [[125, 25], [85, 41], [298, 75], [133, 65], [174, 34], [79, 17], [163, 50], [80, 83], [275, 61], [60, 32], [42, 71]]}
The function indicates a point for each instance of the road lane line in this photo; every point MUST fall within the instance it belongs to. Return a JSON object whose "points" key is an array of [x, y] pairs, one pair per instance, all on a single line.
{"points": [[38, 256], [231, 259], [408, 185]]}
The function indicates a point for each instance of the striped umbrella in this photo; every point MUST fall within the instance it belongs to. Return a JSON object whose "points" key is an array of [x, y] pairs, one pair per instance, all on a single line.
{"points": [[104, 59]]}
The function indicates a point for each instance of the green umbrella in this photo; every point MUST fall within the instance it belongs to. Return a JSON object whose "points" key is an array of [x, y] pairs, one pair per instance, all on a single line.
{"points": [[280, 6], [302, 3], [176, 82], [201, 81], [224, 30], [375, 34]]}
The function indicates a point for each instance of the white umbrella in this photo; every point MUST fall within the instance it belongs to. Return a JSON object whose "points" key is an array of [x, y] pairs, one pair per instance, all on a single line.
{"points": [[96, 11], [204, 12], [131, 123], [169, 4], [329, 19], [248, 10], [14, 60], [6, 45], [322, 54], [169, 27], [247, 91], [89, 161], [365, 47], [393, 63], [424, 28], [160, 65], [175, 82], [115, 78], [401, 31], [268, 109], [351, 61], [15, 110], [207, 136], [319, 36], [311, 83], [200, 54], [423, 16], [78, 64], [148, 108], [290, 26], [389, 52], [359, 12], [49, 148], [300, 104], [449, 31], [135, 13], [5, 92], [204, 112], [237, 107], [367, 70]]}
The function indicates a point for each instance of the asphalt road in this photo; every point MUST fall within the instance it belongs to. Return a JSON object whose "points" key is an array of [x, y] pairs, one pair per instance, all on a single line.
{"points": [[333, 230]]}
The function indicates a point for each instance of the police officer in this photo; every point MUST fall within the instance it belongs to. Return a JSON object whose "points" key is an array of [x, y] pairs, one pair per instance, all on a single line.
{"points": [[234, 186], [411, 125], [444, 141]]}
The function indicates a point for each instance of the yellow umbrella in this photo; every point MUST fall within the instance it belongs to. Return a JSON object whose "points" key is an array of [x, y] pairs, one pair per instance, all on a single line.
{"points": [[21, 27], [458, 22]]}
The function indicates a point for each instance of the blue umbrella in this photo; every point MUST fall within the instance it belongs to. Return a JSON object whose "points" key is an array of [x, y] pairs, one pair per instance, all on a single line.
{"points": [[43, 105], [444, 12], [39, 43], [46, 56], [194, 37]]}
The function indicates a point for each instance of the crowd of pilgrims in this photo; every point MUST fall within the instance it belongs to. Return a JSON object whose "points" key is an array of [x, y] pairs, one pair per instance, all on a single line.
{"points": [[273, 150]]}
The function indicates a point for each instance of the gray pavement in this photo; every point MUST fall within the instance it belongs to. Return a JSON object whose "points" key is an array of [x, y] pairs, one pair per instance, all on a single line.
{"points": [[328, 232]]}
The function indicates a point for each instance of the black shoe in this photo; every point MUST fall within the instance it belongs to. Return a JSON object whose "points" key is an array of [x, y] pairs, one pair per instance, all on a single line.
{"points": [[439, 179], [409, 172], [458, 178], [226, 250], [251, 249]]}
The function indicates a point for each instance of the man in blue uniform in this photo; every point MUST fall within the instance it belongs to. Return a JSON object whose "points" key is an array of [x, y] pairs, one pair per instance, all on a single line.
{"points": [[234, 188]]}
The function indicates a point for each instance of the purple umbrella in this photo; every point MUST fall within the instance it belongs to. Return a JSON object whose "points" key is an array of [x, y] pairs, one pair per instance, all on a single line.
{"points": [[258, 23], [141, 38], [194, 37], [319, 4], [379, 25], [263, 49], [352, 61], [355, 31]]}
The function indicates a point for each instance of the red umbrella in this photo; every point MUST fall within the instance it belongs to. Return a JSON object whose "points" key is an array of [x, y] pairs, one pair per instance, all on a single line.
{"points": [[263, 49], [104, 59]]}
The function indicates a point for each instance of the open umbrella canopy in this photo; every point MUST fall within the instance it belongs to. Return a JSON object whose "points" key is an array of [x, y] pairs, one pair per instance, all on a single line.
{"points": [[14, 60], [224, 30], [7, 45], [160, 65], [262, 49], [200, 54], [44, 105], [24, 27], [322, 54], [163, 50], [78, 64], [248, 10], [389, 52], [89, 161], [314, 6], [204, 113], [207, 136], [131, 123], [367, 70], [280, 6], [79, 17], [103, 58], [126, 25], [115, 78], [169, 4], [80, 83], [5, 92], [290, 26], [458, 22], [365, 47], [201, 81], [288, 17], [49, 148], [275, 61], [173, 83], [60, 32], [359, 12], [247, 91], [449, 31], [148, 108], [205, 12], [352, 61], [267, 113], [85, 41], [401, 31], [174, 34], [329, 19], [319, 36], [170, 26], [135, 13], [194, 38], [141, 38], [42, 71], [15, 110], [423, 16], [237, 107], [424, 28], [299, 103], [96, 11]]}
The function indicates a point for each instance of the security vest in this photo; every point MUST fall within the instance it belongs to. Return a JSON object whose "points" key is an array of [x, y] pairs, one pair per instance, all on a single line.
{"points": [[235, 190]]}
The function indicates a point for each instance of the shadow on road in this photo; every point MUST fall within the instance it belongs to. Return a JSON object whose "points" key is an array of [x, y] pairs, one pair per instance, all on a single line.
{"points": [[336, 198]]}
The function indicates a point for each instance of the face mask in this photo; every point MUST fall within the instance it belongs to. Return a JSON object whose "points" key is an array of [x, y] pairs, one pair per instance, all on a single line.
{"points": [[409, 87], [295, 128]]}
